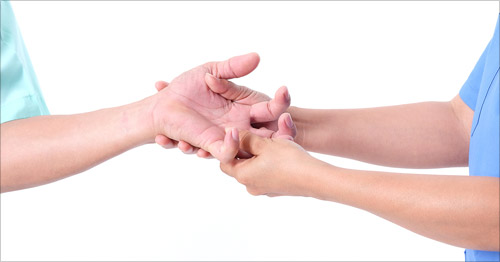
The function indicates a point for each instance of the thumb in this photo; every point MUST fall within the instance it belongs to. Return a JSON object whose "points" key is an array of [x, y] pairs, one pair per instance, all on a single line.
{"points": [[228, 89], [252, 143], [234, 67]]}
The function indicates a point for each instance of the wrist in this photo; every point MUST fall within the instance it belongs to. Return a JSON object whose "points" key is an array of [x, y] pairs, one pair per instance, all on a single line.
{"points": [[319, 175], [300, 177], [136, 120]]}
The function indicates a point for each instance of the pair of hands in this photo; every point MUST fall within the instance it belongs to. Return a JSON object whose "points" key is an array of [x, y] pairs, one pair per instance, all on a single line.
{"points": [[202, 112]]}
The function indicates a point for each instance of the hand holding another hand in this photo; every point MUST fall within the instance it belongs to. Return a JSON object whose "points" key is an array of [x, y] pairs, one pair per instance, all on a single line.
{"points": [[199, 105], [278, 167]]}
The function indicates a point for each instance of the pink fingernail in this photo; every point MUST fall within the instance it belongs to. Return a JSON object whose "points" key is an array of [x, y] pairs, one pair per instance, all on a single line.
{"points": [[288, 121], [234, 133]]}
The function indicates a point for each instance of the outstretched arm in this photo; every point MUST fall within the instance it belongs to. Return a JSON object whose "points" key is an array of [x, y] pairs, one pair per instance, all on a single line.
{"points": [[458, 210], [43, 149], [422, 135]]}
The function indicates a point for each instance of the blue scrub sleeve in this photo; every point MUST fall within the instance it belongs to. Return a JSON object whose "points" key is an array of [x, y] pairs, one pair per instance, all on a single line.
{"points": [[470, 89]]}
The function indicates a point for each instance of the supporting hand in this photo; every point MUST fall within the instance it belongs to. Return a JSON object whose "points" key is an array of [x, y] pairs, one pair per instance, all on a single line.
{"points": [[278, 167]]}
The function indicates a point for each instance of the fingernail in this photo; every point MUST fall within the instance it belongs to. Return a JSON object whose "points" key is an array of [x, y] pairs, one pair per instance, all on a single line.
{"points": [[288, 121], [234, 133], [287, 96]]}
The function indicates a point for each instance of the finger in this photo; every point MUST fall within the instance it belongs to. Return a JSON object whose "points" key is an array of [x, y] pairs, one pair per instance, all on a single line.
{"points": [[286, 127], [231, 167], [232, 91], [270, 110], [225, 150], [203, 154], [186, 148], [262, 132], [165, 141], [252, 143], [231, 145], [227, 168], [160, 85], [234, 67]]}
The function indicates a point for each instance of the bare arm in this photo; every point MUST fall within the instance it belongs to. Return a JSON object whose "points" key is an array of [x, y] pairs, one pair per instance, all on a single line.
{"points": [[422, 135], [458, 210], [44, 149]]}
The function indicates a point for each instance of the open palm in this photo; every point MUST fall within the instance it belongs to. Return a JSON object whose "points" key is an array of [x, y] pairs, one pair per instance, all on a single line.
{"points": [[200, 104]]}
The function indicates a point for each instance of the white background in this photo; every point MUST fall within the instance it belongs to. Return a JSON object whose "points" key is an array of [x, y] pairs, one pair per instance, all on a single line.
{"points": [[156, 204]]}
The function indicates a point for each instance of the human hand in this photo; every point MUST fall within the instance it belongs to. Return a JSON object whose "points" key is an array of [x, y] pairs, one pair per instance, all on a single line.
{"points": [[189, 110], [278, 166], [168, 143], [286, 132]]}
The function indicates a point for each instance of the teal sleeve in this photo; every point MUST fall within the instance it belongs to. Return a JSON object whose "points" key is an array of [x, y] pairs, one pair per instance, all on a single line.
{"points": [[19, 89]]}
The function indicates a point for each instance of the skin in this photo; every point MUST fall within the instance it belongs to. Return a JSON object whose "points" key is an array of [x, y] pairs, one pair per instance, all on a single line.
{"points": [[421, 135], [416, 135], [286, 128], [43, 149]]}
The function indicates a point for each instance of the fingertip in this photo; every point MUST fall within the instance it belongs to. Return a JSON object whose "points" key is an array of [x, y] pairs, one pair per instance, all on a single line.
{"points": [[288, 120], [286, 127], [231, 144], [226, 152], [255, 56], [185, 147], [235, 134], [159, 85], [282, 97], [239, 66], [159, 140], [287, 95], [164, 141]]}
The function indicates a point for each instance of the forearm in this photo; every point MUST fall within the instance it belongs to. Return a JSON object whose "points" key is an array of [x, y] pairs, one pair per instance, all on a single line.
{"points": [[43, 149], [458, 210], [422, 135]]}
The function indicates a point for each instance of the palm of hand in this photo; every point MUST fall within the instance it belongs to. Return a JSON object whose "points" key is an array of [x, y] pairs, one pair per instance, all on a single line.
{"points": [[197, 108]]}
